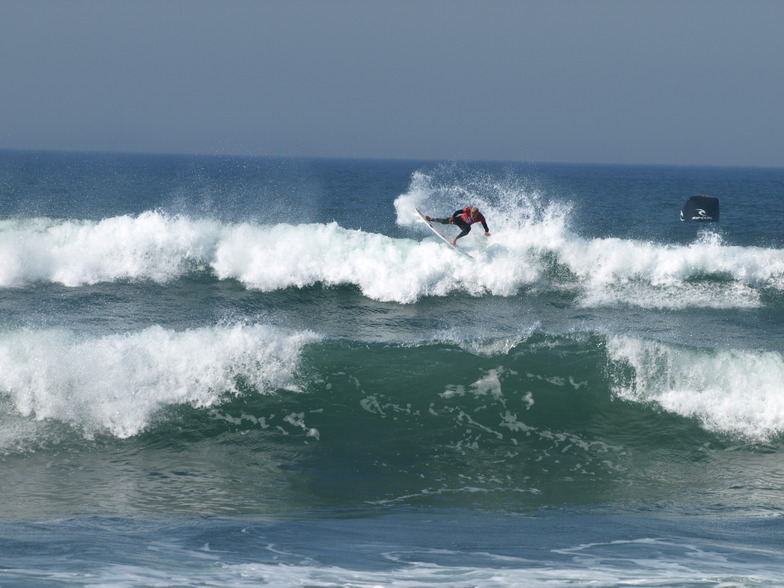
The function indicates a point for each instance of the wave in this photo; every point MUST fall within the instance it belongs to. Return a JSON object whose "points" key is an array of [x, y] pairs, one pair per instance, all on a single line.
{"points": [[116, 384], [241, 417], [502, 395], [534, 242], [739, 393], [530, 250], [150, 246]]}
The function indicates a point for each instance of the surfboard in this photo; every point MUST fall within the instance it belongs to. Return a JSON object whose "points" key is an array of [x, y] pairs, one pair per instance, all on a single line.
{"points": [[443, 237]]}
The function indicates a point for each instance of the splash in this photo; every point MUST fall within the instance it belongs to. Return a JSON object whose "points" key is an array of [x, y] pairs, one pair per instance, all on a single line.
{"points": [[516, 210]]}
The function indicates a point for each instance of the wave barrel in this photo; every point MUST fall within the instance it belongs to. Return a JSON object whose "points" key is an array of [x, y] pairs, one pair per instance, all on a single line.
{"points": [[701, 208]]}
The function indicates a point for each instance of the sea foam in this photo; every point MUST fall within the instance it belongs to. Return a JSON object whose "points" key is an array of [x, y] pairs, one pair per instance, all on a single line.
{"points": [[116, 383], [531, 249], [150, 246], [740, 393]]}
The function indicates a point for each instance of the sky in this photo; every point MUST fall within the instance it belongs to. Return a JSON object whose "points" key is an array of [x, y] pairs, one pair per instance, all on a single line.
{"points": [[684, 82]]}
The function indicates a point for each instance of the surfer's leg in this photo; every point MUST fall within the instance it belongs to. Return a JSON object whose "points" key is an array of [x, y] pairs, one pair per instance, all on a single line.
{"points": [[463, 233], [443, 221]]}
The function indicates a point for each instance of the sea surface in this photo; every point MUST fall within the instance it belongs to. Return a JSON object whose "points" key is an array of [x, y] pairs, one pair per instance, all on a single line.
{"points": [[223, 371]]}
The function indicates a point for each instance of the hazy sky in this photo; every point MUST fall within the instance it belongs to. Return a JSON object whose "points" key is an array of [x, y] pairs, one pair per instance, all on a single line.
{"points": [[611, 81]]}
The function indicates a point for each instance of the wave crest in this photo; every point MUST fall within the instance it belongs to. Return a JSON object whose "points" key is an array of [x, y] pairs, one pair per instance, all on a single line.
{"points": [[539, 253], [117, 383], [735, 392]]}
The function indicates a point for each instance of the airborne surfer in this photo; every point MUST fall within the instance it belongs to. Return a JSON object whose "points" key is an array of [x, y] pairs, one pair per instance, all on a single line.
{"points": [[463, 218]]}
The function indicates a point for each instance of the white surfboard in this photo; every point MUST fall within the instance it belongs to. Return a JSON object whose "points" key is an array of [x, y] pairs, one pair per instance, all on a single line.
{"points": [[446, 239]]}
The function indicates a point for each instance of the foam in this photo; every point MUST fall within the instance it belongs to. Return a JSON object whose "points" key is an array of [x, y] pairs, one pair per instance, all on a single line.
{"points": [[644, 561], [150, 246], [740, 393], [531, 248], [704, 273], [116, 383], [382, 267]]}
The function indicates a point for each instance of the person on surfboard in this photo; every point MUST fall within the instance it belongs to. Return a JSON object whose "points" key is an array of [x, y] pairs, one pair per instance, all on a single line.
{"points": [[463, 218]]}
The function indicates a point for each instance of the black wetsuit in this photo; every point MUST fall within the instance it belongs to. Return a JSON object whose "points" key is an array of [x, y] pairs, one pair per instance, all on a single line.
{"points": [[458, 219]]}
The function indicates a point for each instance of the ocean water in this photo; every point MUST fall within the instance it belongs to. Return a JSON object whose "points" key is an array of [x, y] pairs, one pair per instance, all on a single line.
{"points": [[221, 371]]}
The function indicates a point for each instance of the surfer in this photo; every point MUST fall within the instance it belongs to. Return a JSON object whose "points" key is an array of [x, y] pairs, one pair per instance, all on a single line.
{"points": [[463, 218]]}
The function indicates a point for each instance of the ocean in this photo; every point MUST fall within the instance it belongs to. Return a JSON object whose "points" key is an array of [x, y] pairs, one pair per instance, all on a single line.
{"points": [[227, 371]]}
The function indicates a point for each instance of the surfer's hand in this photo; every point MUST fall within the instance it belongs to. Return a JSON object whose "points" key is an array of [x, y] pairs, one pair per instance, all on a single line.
{"points": [[487, 234], [451, 220]]}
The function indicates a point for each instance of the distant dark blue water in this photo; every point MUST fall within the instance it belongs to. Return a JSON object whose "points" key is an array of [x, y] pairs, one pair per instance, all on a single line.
{"points": [[239, 371]]}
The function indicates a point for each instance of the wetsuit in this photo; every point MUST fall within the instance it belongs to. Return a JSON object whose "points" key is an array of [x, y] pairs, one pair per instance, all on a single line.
{"points": [[462, 218]]}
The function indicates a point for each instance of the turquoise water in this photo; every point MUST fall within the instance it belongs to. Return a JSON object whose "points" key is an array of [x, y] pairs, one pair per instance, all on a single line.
{"points": [[231, 371]]}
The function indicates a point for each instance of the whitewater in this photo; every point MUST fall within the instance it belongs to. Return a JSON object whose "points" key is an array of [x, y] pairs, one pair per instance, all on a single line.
{"points": [[540, 253]]}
